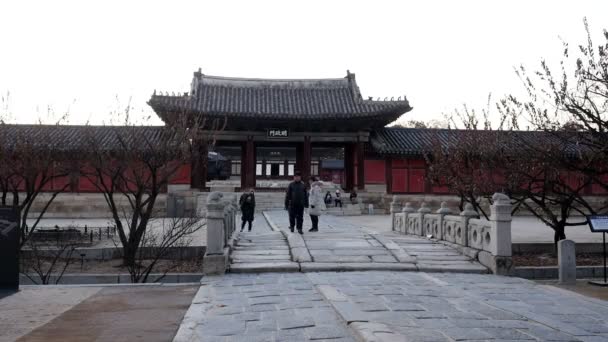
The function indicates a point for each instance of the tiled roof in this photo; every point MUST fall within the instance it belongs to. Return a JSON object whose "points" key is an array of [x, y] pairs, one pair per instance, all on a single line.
{"points": [[73, 137], [416, 141], [319, 99]]}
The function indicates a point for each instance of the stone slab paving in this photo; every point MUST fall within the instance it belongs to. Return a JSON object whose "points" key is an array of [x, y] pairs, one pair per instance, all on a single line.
{"points": [[261, 307], [389, 306], [341, 244], [261, 250]]}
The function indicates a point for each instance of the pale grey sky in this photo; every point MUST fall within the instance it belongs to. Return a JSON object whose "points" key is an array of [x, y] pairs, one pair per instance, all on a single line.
{"points": [[91, 57]]}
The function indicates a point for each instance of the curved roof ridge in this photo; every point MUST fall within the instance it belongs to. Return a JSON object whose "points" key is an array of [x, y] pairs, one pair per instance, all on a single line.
{"points": [[261, 82]]}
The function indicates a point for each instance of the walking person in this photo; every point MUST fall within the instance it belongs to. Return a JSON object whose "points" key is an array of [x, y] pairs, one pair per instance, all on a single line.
{"points": [[296, 199], [247, 203], [316, 204]]}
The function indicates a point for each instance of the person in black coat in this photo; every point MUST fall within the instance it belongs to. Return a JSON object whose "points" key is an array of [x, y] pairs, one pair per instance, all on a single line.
{"points": [[247, 203], [296, 199], [328, 199]]}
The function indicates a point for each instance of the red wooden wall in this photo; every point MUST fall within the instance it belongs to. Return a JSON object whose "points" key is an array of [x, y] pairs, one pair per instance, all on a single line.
{"points": [[408, 176], [375, 171]]}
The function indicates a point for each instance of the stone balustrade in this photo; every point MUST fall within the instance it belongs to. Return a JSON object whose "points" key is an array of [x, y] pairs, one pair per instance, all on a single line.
{"points": [[221, 230], [488, 241]]}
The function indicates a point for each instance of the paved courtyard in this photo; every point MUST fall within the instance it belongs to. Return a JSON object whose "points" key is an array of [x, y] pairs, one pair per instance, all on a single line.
{"points": [[388, 306]]}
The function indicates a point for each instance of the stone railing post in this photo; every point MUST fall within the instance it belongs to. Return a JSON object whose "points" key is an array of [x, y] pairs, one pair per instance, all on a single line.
{"points": [[424, 209], [500, 234], [395, 208], [407, 210], [566, 262], [235, 205], [461, 235], [442, 211], [214, 261]]}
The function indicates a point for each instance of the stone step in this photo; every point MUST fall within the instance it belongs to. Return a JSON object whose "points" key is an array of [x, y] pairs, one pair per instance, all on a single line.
{"points": [[372, 266], [265, 267], [254, 248], [422, 257], [257, 261], [260, 258], [261, 252], [464, 268]]}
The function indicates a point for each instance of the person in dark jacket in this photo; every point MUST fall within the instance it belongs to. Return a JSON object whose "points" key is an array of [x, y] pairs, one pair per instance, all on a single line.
{"points": [[353, 197], [328, 199], [247, 203], [296, 199]]}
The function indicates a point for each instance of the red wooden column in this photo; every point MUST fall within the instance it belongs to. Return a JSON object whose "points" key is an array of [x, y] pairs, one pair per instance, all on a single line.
{"points": [[349, 166], [306, 158], [359, 152], [389, 175], [198, 175], [299, 157], [250, 157], [244, 168]]}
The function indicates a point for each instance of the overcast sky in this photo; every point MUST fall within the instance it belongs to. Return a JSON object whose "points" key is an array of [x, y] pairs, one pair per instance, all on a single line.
{"points": [[89, 58]]}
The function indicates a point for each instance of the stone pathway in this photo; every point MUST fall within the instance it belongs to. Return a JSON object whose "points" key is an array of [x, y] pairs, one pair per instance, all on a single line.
{"points": [[260, 307], [341, 245], [388, 306], [261, 250]]}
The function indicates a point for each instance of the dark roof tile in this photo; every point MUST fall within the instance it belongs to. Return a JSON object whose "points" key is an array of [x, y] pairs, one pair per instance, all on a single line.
{"points": [[279, 99]]}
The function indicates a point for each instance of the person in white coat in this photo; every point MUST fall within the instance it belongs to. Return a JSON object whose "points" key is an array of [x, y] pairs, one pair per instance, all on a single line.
{"points": [[316, 203]]}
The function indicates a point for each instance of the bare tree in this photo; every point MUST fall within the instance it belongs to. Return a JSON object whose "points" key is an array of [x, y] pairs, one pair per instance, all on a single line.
{"points": [[571, 103], [527, 166], [136, 163], [30, 162], [160, 242], [45, 260]]}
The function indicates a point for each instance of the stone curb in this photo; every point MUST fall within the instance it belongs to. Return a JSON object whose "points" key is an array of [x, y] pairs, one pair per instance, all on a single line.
{"points": [[271, 224], [355, 319], [113, 279], [186, 331], [396, 251], [295, 242]]}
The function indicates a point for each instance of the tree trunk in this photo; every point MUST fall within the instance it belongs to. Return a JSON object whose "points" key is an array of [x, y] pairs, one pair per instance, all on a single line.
{"points": [[129, 253], [559, 234]]}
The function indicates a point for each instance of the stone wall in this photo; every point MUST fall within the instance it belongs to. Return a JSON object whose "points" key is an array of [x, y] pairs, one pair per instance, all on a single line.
{"points": [[488, 241], [83, 205]]}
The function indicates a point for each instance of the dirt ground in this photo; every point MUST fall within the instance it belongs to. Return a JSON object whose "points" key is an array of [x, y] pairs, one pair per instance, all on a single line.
{"points": [[116, 314], [551, 260], [582, 287]]}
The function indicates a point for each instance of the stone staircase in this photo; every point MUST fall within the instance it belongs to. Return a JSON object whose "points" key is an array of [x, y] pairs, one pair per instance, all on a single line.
{"points": [[268, 201], [261, 250]]}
